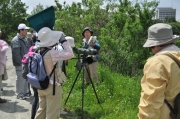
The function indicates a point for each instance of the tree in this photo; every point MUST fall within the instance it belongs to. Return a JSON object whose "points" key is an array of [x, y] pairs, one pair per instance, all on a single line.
{"points": [[170, 19], [12, 12], [124, 35], [37, 9], [120, 25], [72, 19], [58, 6], [176, 30]]}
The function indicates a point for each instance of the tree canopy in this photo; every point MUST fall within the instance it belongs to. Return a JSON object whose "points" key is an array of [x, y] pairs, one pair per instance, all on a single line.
{"points": [[120, 26], [12, 12]]}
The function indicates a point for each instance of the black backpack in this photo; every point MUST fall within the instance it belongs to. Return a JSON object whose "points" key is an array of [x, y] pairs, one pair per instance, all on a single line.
{"points": [[174, 112]]}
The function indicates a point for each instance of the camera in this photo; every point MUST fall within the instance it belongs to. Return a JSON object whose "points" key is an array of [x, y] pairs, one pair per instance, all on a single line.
{"points": [[85, 51], [88, 55]]}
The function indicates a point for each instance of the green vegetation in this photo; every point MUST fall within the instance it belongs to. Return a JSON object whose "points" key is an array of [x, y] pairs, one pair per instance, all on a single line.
{"points": [[121, 27], [12, 12], [119, 95]]}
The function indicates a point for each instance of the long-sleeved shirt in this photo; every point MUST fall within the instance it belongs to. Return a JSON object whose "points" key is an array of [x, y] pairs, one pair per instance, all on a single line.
{"points": [[87, 46], [160, 81], [53, 56], [96, 46], [3, 49]]}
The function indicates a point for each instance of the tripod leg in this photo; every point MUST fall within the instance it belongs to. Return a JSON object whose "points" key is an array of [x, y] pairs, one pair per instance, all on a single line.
{"points": [[82, 117], [73, 85], [92, 83]]}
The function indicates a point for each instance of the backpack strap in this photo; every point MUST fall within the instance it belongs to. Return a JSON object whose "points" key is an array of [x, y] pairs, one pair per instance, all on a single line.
{"points": [[43, 52], [53, 70], [177, 62], [30, 64], [54, 82], [169, 106], [53, 79], [175, 59]]}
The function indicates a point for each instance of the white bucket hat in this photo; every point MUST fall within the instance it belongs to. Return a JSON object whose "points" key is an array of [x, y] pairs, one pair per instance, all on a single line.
{"points": [[160, 34], [48, 37]]}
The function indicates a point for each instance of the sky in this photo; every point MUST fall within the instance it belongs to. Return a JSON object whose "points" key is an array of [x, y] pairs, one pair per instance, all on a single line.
{"points": [[163, 3]]}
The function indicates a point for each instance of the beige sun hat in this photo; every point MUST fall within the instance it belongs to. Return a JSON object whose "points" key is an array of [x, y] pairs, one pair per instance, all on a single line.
{"points": [[48, 37], [160, 34]]}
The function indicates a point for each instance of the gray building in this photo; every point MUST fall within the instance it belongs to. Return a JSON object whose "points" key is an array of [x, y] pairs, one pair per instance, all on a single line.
{"points": [[163, 12]]}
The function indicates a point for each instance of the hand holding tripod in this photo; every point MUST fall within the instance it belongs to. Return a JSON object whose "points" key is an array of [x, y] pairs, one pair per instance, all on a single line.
{"points": [[79, 67]]}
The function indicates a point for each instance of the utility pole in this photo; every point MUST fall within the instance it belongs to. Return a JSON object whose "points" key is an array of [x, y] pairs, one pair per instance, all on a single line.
{"points": [[172, 3]]}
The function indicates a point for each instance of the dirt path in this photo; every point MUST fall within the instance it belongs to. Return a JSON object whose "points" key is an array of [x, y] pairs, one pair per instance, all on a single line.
{"points": [[15, 108]]}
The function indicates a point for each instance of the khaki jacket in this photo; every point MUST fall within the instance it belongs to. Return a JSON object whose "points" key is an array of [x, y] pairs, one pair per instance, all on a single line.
{"points": [[161, 81]]}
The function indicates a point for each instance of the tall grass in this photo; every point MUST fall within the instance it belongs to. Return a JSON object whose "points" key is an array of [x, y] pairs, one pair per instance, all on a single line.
{"points": [[119, 95]]}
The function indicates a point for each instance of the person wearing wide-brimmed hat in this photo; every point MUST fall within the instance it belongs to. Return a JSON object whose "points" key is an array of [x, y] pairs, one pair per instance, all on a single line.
{"points": [[91, 42], [49, 104], [161, 73]]}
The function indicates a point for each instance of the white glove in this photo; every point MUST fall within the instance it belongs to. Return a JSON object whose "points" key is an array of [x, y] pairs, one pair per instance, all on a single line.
{"points": [[92, 39], [71, 40]]}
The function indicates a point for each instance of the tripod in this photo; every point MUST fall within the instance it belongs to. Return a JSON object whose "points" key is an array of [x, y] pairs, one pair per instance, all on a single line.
{"points": [[83, 65]]}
